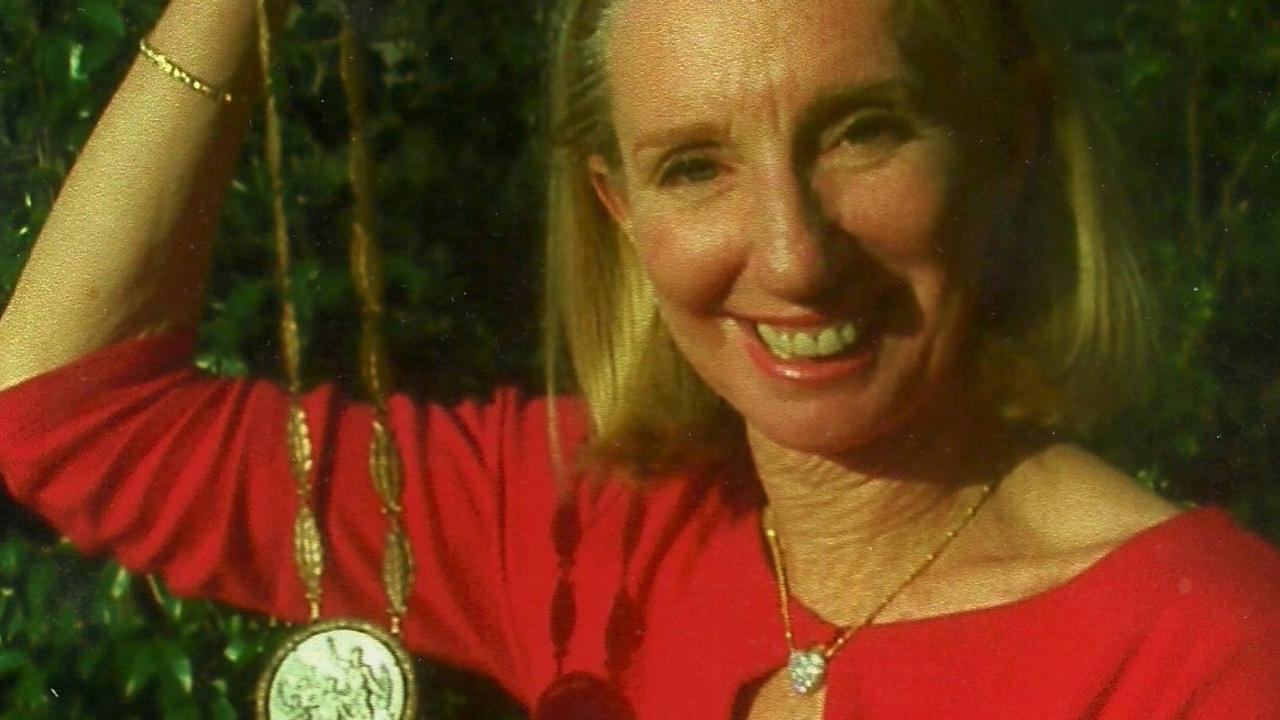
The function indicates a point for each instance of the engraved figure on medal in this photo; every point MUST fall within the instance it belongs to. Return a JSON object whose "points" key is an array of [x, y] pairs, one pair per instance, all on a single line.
{"points": [[338, 671]]}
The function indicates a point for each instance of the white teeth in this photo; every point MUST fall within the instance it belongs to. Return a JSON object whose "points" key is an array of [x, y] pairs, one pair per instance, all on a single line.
{"points": [[829, 341], [804, 345], [768, 334], [776, 341]]}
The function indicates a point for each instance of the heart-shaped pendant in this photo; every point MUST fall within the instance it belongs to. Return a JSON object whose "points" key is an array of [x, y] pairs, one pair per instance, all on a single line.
{"points": [[807, 669]]}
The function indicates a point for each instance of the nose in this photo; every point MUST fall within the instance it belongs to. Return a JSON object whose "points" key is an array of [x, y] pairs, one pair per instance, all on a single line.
{"points": [[794, 253]]}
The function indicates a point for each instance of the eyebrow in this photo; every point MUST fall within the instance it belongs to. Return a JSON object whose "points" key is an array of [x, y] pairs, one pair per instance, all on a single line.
{"points": [[678, 135], [892, 92], [830, 106]]}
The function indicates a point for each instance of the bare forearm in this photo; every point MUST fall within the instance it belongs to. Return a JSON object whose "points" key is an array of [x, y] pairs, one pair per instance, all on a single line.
{"points": [[125, 249]]}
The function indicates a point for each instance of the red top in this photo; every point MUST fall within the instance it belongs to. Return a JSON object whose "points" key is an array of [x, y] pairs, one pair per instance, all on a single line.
{"points": [[670, 596]]}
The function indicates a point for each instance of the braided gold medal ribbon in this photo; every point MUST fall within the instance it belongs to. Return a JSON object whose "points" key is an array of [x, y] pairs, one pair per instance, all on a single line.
{"points": [[348, 669]]}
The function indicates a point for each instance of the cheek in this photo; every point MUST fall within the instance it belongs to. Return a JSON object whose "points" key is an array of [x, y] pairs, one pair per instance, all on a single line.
{"points": [[692, 259], [897, 213]]}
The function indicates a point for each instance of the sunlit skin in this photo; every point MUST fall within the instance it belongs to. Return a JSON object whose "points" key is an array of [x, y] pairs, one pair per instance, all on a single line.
{"points": [[776, 166]]}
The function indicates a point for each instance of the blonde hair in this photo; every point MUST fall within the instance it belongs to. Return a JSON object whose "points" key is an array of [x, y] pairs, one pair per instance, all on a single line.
{"points": [[1062, 306]]}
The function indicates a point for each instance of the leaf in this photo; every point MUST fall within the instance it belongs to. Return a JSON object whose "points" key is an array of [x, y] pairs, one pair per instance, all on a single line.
{"points": [[177, 665], [141, 670], [120, 583], [40, 584], [222, 709], [10, 13], [32, 688], [174, 607], [53, 62], [10, 557], [98, 54], [12, 660], [89, 659], [235, 649], [101, 16], [185, 712]]}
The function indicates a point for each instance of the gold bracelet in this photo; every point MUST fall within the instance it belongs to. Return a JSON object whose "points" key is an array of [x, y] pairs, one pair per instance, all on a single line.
{"points": [[170, 68]]}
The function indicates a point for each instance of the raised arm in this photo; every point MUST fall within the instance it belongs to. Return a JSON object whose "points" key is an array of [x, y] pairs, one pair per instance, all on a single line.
{"points": [[125, 249]]}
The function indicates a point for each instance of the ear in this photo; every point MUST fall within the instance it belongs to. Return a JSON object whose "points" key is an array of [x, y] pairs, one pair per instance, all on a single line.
{"points": [[612, 191]]}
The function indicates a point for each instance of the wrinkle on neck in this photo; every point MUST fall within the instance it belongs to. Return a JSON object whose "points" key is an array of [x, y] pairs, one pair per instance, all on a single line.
{"points": [[854, 528]]}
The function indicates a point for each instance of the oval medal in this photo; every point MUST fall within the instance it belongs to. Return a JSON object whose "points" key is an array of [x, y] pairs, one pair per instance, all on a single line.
{"points": [[341, 669]]}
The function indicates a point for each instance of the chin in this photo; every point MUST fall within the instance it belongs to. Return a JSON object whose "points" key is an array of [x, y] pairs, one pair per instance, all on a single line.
{"points": [[840, 425], [828, 429], [816, 442]]}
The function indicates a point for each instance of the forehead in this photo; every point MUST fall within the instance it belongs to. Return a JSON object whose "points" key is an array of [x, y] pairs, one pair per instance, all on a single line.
{"points": [[683, 57]]}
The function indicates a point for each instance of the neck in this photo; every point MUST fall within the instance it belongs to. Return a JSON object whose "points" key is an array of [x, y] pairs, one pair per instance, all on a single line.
{"points": [[863, 520]]}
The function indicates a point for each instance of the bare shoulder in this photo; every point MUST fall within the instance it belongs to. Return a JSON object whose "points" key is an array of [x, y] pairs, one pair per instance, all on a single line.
{"points": [[1057, 512], [1064, 499]]}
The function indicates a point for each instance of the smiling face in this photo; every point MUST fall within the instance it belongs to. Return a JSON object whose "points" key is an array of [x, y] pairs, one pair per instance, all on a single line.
{"points": [[793, 206]]}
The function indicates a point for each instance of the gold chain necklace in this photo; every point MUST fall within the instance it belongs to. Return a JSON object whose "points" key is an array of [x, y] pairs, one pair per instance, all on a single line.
{"points": [[807, 669], [349, 667]]}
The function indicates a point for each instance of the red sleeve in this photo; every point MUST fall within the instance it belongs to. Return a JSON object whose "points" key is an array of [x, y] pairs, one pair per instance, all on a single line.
{"points": [[1246, 684], [1212, 649], [132, 451]]}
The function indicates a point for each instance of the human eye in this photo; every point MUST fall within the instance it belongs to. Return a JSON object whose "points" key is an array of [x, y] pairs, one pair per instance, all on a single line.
{"points": [[870, 135], [688, 170]]}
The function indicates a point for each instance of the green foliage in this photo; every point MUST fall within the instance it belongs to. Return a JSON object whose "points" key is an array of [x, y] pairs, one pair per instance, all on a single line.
{"points": [[78, 636], [1194, 89], [1191, 86]]}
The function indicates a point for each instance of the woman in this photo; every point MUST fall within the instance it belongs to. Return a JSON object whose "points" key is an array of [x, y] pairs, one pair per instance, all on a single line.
{"points": [[819, 267]]}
